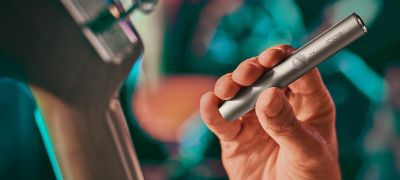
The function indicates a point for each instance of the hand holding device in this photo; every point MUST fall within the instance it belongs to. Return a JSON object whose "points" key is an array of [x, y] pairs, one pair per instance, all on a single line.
{"points": [[302, 61], [291, 132]]}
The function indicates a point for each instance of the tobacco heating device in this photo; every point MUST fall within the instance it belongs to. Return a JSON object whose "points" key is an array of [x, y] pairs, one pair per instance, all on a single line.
{"points": [[300, 62]]}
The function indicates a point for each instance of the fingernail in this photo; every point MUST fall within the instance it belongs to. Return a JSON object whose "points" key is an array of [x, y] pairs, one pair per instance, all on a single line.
{"points": [[274, 103]]}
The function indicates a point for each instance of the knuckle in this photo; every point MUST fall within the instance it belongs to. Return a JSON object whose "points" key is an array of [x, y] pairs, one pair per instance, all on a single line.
{"points": [[206, 99], [225, 87], [221, 81], [326, 105], [224, 78], [246, 73]]}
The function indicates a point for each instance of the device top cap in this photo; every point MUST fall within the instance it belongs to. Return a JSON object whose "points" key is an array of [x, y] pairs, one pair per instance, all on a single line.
{"points": [[360, 21]]}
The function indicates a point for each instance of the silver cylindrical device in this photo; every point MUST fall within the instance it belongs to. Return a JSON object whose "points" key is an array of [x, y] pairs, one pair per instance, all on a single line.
{"points": [[299, 63]]}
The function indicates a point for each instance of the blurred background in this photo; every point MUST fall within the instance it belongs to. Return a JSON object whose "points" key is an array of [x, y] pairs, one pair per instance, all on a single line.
{"points": [[190, 43]]}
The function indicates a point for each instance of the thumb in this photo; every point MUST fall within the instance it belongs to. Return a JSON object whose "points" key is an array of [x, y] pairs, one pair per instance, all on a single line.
{"points": [[277, 118]]}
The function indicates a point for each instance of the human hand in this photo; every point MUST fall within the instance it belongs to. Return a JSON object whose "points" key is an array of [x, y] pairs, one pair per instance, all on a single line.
{"points": [[289, 135]]}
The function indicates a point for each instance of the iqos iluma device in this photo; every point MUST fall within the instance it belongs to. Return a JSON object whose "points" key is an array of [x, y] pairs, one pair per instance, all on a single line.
{"points": [[299, 63]]}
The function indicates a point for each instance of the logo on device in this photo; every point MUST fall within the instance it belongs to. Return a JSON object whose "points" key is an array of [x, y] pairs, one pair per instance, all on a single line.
{"points": [[334, 38]]}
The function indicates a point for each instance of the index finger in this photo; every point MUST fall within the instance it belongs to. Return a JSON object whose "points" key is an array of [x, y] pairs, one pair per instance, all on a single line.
{"points": [[224, 130]]}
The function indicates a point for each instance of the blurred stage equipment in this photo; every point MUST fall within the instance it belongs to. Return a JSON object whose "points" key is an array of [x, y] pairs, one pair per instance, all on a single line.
{"points": [[75, 54]]}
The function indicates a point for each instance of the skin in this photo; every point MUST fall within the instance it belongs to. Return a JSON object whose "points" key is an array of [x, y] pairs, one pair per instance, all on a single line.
{"points": [[291, 133]]}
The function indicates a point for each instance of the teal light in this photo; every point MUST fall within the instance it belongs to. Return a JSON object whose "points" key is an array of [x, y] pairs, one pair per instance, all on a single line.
{"points": [[237, 21], [287, 14], [364, 78], [194, 142], [40, 122], [134, 76], [47, 142], [223, 48], [369, 10], [262, 25], [279, 35]]}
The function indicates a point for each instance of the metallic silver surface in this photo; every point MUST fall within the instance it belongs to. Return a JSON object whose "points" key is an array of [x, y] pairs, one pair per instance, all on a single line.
{"points": [[302, 61]]}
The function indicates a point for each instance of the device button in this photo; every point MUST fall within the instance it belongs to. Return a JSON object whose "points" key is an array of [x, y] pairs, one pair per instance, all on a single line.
{"points": [[299, 61]]}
